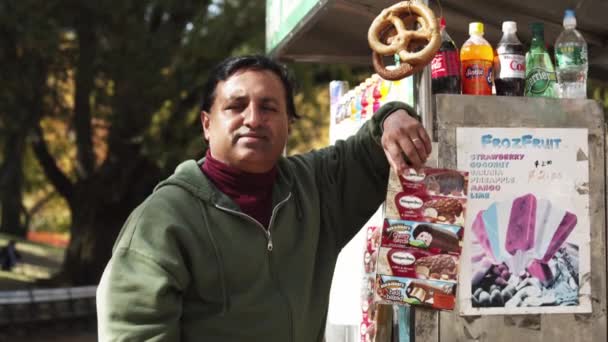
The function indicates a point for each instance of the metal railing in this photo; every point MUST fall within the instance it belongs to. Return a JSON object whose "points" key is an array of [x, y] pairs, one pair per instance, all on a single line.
{"points": [[38, 305]]}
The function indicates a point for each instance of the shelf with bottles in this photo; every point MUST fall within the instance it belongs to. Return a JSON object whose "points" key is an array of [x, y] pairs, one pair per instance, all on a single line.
{"points": [[509, 70], [350, 108]]}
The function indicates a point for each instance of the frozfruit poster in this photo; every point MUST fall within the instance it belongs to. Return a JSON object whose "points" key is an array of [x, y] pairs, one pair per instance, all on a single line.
{"points": [[526, 249]]}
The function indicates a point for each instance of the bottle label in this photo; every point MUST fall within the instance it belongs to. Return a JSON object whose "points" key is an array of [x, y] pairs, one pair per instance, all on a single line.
{"points": [[445, 63], [540, 82], [477, 77], [570, 55], [512, 66]]}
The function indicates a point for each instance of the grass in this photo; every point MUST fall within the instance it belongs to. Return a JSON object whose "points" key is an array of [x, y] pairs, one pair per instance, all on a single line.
{"points": [[38, 261]]}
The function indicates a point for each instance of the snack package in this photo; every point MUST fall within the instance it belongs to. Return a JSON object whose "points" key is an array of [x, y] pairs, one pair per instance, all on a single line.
{"points": [[434, 294], [419, 255], [438, 238], [417, 263], [432, 195]]}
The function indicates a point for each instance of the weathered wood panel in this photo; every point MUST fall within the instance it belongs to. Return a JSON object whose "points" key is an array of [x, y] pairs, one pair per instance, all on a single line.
{"points": [[492, 111], [426, 327]]}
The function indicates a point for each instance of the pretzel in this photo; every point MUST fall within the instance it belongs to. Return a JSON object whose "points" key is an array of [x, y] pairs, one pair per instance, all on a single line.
{"points": [[389, 35]]}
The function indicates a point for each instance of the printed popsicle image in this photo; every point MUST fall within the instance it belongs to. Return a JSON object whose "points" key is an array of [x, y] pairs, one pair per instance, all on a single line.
{"points": [[503, 210], [520, 232], [490, 220], [539, 267], [563, 230], [481, 232], [523, 240]]}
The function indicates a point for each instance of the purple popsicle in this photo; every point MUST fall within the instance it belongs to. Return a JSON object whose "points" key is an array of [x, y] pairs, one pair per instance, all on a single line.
{"points": [[520, 232]]}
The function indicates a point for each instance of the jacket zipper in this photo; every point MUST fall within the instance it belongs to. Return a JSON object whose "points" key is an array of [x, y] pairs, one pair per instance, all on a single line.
{"points": [[270, 265], [269, 246], [266, 232]]}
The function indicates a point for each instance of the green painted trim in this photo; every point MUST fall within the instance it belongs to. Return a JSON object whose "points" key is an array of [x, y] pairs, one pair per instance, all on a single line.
{"points": [[282, 16]]}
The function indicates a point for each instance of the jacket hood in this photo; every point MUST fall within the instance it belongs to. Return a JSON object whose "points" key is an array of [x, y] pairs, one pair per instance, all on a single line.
{"points": [[188, 176]]}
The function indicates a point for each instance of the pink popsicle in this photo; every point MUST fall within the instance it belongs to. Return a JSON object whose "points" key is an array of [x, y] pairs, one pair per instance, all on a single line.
{"points": [[561, 234], [541, 271], [479, 228], [520, 232]]}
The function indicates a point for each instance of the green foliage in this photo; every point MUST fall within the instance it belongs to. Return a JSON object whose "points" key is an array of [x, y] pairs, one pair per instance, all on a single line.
{"points": [[599, 91], [115, 88]]}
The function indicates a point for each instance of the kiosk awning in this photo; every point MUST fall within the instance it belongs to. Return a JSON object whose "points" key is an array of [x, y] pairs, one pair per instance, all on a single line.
{"points": [[335, 31]]}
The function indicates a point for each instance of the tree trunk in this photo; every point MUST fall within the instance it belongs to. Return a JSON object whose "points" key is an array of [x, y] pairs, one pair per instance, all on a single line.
{"points": [[93, 232], [11, 181], [99, 210]]}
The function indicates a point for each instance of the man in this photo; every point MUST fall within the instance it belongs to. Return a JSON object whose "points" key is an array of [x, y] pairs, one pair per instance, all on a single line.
{"points": [[9, 256], [242, 245]]}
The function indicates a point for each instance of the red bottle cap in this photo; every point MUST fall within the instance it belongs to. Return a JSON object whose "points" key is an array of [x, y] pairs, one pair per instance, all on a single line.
{"points": [[442, 22]]}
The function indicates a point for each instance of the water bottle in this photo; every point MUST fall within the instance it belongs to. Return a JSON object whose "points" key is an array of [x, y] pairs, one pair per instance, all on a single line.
{"points": [[571, 60]]}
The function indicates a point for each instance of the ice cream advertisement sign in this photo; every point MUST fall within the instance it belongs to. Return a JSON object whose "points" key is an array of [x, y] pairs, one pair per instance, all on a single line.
{"points": [[526, 247]]}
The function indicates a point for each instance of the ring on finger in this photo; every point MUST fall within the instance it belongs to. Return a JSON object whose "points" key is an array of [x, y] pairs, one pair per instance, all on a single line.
{"points": [[415, 139]]}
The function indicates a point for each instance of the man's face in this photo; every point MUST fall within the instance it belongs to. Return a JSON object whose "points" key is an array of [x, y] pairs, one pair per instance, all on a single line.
{"points": [[247, 126]]}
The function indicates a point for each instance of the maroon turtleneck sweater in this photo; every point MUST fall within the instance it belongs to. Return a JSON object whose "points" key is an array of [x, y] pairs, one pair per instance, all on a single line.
{"points": [[251, 191]]}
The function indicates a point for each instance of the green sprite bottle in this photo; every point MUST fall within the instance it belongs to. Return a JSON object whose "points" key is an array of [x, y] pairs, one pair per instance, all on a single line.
{"points": [[540, 74]]}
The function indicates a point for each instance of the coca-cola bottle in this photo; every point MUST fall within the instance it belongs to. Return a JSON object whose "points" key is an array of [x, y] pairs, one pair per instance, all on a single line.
{"points": [[510, 67], [445, 67]]}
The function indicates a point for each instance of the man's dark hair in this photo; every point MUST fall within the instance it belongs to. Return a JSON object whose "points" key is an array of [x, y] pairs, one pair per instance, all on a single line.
{"points": [[231, 65]]}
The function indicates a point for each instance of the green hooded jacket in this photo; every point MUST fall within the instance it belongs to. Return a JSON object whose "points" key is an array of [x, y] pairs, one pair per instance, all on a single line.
{"points": [[188, 265]]}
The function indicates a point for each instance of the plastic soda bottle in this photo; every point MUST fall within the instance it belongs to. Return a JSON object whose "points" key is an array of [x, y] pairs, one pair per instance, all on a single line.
{"points": [[476, 57], [540, 75], [571, 60], [445, 67], [510, 69]]}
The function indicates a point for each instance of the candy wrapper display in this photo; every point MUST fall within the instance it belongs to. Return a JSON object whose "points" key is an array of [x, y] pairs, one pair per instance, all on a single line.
{"points": [[368, 307], [419, 255]]}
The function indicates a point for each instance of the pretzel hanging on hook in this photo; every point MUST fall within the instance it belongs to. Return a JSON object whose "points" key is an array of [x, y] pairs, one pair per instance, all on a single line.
{"points": [[390, 34]]}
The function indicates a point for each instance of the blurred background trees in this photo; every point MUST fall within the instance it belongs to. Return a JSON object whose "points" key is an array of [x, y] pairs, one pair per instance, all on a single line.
{"points": [[99, 101]]}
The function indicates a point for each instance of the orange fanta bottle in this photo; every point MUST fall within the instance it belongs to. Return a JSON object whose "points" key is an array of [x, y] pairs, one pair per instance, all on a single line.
{"points": [[476, 57]]}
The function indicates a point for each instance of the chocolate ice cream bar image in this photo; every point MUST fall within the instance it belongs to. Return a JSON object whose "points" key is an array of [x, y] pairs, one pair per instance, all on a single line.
{"points": [[446, 183], [441, 267], [423, 291], [435, 237], [443, 209]]}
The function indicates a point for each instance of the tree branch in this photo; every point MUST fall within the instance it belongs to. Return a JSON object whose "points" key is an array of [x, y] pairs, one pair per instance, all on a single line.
{"points": [[85, 74], [60, 181]]}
